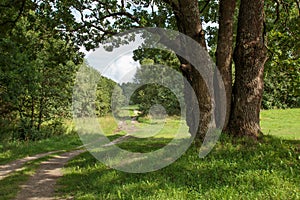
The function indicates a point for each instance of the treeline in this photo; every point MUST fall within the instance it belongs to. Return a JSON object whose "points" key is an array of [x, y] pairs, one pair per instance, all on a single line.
{"points": [[93, 93], [37, 74], [39, 58]]}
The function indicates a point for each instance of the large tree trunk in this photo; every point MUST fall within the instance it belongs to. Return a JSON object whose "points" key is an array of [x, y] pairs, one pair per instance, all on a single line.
{"points": [[188, 22], [249, 57], [224, 55]]}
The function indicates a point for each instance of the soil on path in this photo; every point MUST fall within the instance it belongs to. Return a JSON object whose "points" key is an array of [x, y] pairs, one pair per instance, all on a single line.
{"points": [[41, 185], [17, 165]]}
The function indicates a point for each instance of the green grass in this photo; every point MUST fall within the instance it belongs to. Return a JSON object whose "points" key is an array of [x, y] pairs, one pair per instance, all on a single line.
{"points": [[163, 132], [108, 125], [281, 123], [268, 169], [15, 150], [243, 169]]}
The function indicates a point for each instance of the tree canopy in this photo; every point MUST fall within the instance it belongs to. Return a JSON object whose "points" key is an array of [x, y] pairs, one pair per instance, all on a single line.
{"points": [[40, 42]]}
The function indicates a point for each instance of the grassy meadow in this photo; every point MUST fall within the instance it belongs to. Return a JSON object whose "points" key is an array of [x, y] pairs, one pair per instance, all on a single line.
{"points": [[234, 169], [281, 123]]}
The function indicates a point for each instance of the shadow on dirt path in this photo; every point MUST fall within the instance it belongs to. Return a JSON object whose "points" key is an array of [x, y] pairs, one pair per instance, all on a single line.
{"points": [[17, 165], [41, 185]]}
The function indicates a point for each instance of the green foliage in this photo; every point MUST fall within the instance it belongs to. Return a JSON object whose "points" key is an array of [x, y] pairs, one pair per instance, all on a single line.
{"points": [[118, 100], [147, 91], [94, 93], [152, 93], [282, 70], [104, 92], [84, 91], [36, 79]]}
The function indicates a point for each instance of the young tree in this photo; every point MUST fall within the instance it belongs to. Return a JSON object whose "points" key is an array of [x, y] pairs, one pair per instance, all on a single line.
{"points": [[150, 91]]}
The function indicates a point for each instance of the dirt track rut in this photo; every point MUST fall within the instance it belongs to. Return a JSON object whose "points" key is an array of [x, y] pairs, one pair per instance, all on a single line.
{"points": [[41, 186]]}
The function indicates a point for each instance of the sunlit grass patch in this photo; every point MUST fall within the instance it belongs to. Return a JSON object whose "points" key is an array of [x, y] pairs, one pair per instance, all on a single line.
{"points": [[14, 150], [281, 123]]}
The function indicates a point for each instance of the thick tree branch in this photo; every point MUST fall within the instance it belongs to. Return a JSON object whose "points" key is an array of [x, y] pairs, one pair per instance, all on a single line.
{"points": [[103, 30]]}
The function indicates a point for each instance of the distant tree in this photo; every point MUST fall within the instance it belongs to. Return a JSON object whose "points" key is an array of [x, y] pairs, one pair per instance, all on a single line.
{"points": [[143, 91], [105, 88], [85, 92], [94, 93], [149, 91], [118, 101]]}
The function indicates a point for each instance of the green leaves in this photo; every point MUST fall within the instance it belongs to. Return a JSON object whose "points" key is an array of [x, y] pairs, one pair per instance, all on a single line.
{"points": [[105, 88], [282, 70], [38, 71]]}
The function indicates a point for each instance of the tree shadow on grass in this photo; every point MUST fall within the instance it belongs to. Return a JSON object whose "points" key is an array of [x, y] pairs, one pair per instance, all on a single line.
{"points": [[234, 169]]}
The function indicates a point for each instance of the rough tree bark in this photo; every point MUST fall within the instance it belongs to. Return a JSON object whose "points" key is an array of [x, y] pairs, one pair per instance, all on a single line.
{"points": [[249, 57], [224, 55], [189, 23]]}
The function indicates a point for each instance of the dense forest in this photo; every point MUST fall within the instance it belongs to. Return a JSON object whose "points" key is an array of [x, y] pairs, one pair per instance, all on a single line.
{"points": [[40, 56]]}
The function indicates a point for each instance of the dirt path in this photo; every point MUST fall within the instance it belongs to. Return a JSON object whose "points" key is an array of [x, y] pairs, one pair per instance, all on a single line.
{"points": [[17, 165], [41, 185], [118, 140]]}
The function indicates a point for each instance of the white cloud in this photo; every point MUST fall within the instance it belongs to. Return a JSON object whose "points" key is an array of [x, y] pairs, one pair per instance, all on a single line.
{"points": [[117, 65], [123, 69]]}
